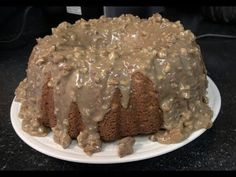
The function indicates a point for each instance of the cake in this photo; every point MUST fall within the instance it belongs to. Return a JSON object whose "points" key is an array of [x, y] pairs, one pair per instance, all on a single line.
{"points": [[105, 79]]}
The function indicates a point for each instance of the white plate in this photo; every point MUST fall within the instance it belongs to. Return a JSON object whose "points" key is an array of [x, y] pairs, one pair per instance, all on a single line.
{"points": [[143, 148]]}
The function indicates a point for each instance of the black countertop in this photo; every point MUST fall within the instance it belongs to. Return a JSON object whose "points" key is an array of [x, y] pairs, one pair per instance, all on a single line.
{"points": [[213, 150]]}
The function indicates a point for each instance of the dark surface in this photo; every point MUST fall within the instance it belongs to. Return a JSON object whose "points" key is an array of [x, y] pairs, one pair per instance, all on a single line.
{"points": [[214, 150]]}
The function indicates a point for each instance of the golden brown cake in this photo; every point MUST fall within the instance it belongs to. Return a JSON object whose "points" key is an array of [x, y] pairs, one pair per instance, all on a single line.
{"points": [[110, 78]]}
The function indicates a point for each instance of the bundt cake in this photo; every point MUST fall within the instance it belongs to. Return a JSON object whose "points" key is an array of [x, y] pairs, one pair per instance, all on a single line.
{"points": [[109, 78]]}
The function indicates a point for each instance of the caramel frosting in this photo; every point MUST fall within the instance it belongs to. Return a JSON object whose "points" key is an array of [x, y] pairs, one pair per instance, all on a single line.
{"points": [[88, 60]]}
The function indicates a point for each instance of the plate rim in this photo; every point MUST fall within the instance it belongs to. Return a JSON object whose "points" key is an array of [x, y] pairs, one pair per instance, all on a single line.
{"points": [[131, 158]]}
